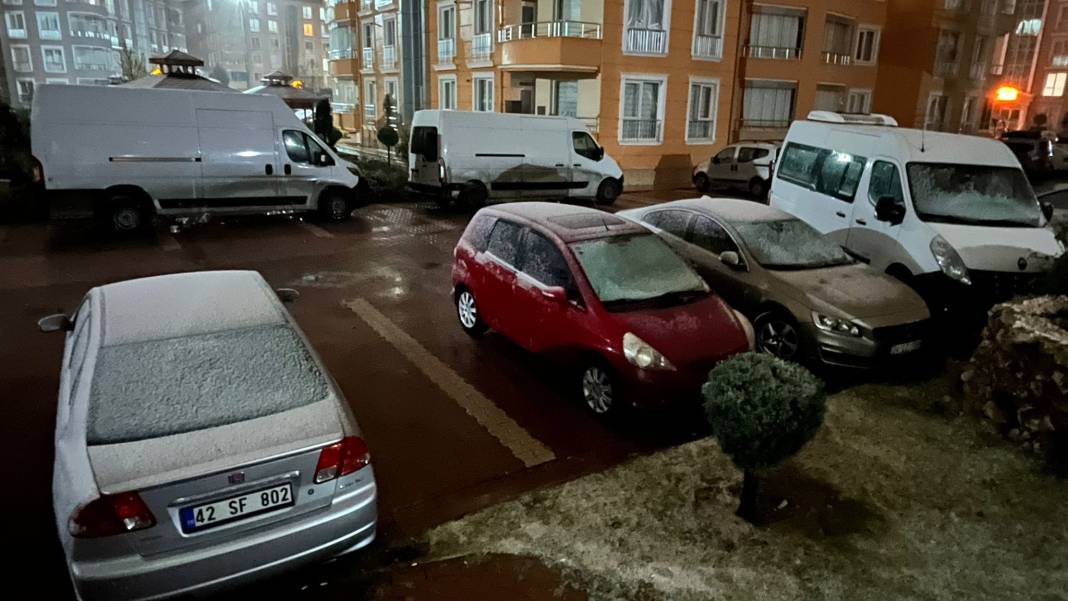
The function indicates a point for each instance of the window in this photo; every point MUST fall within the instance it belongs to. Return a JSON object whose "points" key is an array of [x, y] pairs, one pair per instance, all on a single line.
{"points": [[947, 54], [828, 172], [776, 32], [307, 12], [446, 22], [54, 61], [585, 146], [483, 16], [703, 104], [389, 32], [272, 26], [21, 59], [483, 93], [867, 45], [673, 222], [967, 113], [838, 38], [542, 261], [309, 46], [768, 104], [322, 13], [254, 43], [936, 111], [16, 24], [57, 80], [504, 241], [1059, 53], [254, 25], [710, 235], [48, 26], [885, 181], [254, 6], [830, 98], [641, 110], [295, 148], [370, 99], [1054, 85], [747, 154], [13, 2], [309, 29], [952, 4], [272, 9], [24, 87], [725, 156], [447, 93], [368, 35], [708, 29], [646, 24], [859, 101]]}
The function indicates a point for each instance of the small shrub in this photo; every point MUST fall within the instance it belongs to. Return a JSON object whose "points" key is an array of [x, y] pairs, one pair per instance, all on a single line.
{"points": [[762, 410], [1056, 281], [387, 181], [15, 161]]}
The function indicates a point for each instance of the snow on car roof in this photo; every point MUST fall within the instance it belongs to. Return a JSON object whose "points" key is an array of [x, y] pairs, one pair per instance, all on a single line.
{"points": [[569, 222], [734, 210], [186, 304]]}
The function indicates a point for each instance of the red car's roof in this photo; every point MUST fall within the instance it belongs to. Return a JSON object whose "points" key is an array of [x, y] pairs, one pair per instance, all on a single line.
{"points": [[568, 222]]}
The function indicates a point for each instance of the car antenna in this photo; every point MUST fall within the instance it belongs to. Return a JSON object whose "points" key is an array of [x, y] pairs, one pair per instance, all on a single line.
{"points": [[923, 136]]}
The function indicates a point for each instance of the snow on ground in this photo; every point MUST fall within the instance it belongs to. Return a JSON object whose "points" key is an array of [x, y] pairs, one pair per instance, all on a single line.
{"points": [[891, 501]]}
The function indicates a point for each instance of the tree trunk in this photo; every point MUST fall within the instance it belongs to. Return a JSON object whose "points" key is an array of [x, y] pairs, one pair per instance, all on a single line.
{"points": [[747, 508]]}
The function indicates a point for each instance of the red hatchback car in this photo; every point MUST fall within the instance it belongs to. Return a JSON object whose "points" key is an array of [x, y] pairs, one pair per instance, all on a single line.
{"points": [[600, 293]]}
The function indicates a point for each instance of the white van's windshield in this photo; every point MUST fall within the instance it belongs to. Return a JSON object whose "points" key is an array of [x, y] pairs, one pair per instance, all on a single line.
{"points": [[973, 194]]}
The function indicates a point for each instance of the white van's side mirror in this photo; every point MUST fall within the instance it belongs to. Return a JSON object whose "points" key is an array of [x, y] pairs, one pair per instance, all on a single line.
{"points": [[59, 322], [888, 209]]}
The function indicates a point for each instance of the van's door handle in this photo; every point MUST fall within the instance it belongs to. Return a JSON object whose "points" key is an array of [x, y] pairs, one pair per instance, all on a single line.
{"points": [[862, 222], [839, 213], [268, 169], [559, 164], [577, 165], [288, 169]]}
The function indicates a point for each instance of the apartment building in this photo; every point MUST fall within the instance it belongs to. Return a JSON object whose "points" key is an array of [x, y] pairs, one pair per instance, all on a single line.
{"points": [[250, 38], [377, 51], [1051, 69], [78, 41]]}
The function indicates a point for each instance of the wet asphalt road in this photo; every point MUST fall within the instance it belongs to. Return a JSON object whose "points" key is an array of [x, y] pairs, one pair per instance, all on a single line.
{"points": [[375, 303]]}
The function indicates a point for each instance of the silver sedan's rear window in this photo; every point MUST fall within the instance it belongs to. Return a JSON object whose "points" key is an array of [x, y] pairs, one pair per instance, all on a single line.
{"points": [[163, 387]]}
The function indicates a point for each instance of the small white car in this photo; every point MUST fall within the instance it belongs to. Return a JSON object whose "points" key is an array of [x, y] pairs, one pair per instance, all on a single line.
{"points": [[200, 442], [743, 166]]}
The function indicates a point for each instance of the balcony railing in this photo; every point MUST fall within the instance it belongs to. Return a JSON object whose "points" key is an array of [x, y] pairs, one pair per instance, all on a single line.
{"points": [[91, 66], [776, 52], [640, 130], [446, 50], [368, 58], [549, 29], [765, 123], [645, 41], [481, 46], [341, 53], [977, 71], [88, 33], [997, 69], [946, 68], [342, 107], [389, 57], [369, 111], [707, 46], [836, 58], [700, 130], [21, 67]]}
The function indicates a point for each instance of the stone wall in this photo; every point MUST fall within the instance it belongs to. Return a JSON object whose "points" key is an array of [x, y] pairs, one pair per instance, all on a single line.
{"points": [[1018, 377]]}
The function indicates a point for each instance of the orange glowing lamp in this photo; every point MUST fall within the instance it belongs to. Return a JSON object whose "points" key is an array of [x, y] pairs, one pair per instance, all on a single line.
{"points": [[1007, 94], [297, 84]]}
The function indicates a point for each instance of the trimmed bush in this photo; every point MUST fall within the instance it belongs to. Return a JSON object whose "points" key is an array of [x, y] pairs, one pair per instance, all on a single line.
{"points": [[762, 410], [387, 181]]}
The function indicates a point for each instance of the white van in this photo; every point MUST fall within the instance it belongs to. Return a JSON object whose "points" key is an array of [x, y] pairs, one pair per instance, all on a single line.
{"points": [[918, 205], [127, 154], [475, 157]]}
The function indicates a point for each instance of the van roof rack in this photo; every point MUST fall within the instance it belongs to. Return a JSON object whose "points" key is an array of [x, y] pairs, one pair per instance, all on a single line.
{"points": [[853, 118]]}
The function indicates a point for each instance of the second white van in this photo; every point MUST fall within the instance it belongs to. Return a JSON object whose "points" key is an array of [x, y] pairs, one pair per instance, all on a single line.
{"points": [[474, 157], [126, 155], [954, 215]]}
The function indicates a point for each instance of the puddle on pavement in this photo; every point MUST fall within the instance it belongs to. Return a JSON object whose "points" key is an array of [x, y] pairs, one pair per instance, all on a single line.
{"points": [[813, 507]]}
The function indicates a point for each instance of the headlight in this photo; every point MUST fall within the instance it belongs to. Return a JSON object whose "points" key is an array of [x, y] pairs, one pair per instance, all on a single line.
{"points": [[948, 259], [643, 356], [835, 325]]}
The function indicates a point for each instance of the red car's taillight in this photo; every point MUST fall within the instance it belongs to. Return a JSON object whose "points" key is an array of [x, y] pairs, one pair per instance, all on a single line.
{"points": [[342, 459], [110, 515]]}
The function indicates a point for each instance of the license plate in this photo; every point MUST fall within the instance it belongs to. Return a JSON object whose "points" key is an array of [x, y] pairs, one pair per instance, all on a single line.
{"points": [[906, 347], [209, 515]]}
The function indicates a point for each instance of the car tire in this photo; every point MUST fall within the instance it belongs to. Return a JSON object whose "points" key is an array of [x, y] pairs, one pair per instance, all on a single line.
{"points": [[608, 192], [474, 195], [126, 214], [758, 189], [335, 206], [778, 334], [701, 182], [467, 313], [600, 388]]}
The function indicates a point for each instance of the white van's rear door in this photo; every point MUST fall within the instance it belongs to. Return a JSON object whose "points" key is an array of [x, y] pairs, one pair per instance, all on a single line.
{"points": [[240, 163]]}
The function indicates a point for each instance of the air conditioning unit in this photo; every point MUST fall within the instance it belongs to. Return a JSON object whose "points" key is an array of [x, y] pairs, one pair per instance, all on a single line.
{"points": [[852, 118]]}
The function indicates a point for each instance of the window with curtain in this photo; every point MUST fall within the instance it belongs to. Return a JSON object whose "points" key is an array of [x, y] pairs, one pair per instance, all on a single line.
{"points": [[446, 21], [830, 98], [708, 17], [566, 98], [483, 16], [776, 28], [702, 121], [641, 114], [838, 36], [645, 14], [483, 100], [948, 46], [567, 10], [447, 93], [867, 45], [936, 111], [768, 104]]}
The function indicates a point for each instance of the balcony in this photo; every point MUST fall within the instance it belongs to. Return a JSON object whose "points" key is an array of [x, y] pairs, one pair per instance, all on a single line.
{"points": [[481, 46], [700, 130], [836, 58], [773, 52], [640, 130], [343, 67], [977, 71], [92, 34], [341, 53], [446, 50], [566, 46], [344, 12], [389, 58], [946, 68], [368, 59], [707, 46], [645, 41]]}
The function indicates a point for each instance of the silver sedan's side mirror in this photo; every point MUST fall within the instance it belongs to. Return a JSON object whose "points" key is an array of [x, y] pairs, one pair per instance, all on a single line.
{"points": [[731, 259], [59, 322], [287, 295]]}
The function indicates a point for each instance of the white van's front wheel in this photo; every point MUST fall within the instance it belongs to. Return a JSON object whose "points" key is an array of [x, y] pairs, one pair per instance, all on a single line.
{"points": [[608, 192], [335, 206]]}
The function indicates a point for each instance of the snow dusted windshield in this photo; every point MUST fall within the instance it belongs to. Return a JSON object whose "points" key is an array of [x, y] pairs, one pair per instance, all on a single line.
{"points": [[973, 194], [635, 268], [790, 244]]}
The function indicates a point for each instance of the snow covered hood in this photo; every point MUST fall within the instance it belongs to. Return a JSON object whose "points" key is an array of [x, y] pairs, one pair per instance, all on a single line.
{"points": [[856, 290], [1002, 248]]}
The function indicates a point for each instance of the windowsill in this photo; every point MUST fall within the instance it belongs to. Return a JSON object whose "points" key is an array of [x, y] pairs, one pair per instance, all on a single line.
{"points": [[641, 142], [711, 59], [480, 62], [449, 66], [646, 54], [700, 141]]}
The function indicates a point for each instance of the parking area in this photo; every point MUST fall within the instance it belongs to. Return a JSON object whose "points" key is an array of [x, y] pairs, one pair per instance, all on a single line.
{"points": [[453, 424]]}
